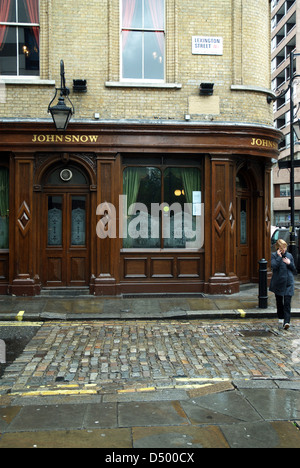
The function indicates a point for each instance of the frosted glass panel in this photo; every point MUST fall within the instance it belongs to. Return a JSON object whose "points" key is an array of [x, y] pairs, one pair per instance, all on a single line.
{"points": [[54, 220], [78, 233]]}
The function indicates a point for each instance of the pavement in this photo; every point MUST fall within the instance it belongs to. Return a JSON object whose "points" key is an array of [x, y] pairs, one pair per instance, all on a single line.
{"points": [[139, 307], [151, 373]]}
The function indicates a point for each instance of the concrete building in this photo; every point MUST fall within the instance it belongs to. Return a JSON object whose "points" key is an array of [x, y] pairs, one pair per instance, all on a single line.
{"points": [[171, 110], [285, 38]]}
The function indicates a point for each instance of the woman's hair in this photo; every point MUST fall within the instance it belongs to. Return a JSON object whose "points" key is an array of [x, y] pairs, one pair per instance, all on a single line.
{"points": [[281, 244]]}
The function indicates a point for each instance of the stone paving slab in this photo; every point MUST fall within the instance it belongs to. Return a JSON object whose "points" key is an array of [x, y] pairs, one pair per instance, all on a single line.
{"points": [[263, 434], [178, 437], [99, 438], [159, 413], [230, 404], [267, 402]]}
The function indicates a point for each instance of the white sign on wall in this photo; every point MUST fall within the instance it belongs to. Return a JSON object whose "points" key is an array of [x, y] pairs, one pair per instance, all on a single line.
{"points": [[207, 45]]}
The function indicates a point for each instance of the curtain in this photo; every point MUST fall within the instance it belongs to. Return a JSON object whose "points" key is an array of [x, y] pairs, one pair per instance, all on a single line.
{"points": [[4, 16], [134, 177], [191, 182], [32, 7], [158, 15], [4, 192], [128, 12], [131, 185], [132, 180]]}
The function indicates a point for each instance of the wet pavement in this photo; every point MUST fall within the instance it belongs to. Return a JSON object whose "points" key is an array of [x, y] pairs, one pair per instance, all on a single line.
{"points": [[226, 379], [238, 418], [189, 306]]}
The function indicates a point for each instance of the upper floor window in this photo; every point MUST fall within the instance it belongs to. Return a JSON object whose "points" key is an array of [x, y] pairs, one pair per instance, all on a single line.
{"points": [[19, 37], [143, 40]]}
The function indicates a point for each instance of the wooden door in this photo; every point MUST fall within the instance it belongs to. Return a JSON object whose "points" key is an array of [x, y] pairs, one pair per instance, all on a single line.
{"points": [[243, 237], [65, 239]]}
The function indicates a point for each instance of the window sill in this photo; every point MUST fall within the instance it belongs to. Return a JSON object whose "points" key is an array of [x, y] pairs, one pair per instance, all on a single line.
{"points": [[145, 250], [254, 89], [132, 84], [26, 81]]}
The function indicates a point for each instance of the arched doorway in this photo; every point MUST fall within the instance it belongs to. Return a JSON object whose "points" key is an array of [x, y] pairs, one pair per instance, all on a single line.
{"points": [[65, 240], [244, 236]]}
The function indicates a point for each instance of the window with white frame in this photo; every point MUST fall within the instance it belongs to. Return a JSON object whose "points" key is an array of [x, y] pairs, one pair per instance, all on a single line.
{"points": [[143, 40], [19, 37]]}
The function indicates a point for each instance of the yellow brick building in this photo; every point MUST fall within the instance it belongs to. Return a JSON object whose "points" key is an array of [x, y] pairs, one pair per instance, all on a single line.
{"points": [[147, 65], [88, 40]]}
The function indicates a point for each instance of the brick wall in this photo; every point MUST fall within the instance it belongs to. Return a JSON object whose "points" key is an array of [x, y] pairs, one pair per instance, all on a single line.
{"points": [[86, 37]]}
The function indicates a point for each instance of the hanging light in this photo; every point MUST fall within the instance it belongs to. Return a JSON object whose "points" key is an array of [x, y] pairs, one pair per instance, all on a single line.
{"points": [[61, 113]]}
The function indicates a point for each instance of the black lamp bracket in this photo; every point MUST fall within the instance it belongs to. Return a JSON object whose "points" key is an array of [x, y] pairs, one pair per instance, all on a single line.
{"points": [[64, 91]]}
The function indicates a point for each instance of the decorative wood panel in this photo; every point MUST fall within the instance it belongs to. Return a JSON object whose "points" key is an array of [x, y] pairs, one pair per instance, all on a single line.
{"points": [[54, 270], [189, 267], [152, 267], [162, 267], [135, 267], [78, 269], [23, 249]]}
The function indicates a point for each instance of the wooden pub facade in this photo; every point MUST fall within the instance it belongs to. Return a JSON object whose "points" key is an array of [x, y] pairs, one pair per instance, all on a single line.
{"points": [[41, 249], [159, 140]]}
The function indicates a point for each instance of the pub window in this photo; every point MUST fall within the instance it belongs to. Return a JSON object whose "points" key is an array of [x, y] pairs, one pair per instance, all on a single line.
{"points": [[143, 40], [4, 207], [19, 37], [163, 204]]}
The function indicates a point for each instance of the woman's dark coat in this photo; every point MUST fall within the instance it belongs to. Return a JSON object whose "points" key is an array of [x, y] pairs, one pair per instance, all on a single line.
{"points": [[282, 282]]}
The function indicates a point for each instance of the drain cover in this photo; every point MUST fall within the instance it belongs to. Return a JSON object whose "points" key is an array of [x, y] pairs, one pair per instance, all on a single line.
{"points": [[260, 333]]}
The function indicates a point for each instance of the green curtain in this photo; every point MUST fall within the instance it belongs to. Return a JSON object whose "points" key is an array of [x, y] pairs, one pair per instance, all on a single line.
{"points": [[4, 192], [131, 183], [191, 182], [132, 177]]}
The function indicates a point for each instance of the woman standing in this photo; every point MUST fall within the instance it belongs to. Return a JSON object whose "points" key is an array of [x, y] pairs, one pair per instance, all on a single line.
{"points": [[282, 282]]}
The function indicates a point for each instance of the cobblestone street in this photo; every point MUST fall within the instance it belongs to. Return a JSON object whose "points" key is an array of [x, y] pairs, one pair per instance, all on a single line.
{"points": [[154, 353]]}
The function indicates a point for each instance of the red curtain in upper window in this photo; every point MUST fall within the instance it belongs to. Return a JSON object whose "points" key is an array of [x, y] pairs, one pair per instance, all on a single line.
{"points": [[4, 15], [32, 7], [158, 14], [128, 12]]}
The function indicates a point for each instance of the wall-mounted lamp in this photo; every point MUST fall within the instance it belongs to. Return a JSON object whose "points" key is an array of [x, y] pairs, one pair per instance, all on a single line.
{"points": [[79, 86], [206, 89], [61, 114]]}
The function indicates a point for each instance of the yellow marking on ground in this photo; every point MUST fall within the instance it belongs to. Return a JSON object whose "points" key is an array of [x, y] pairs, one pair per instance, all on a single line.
{"points": [[19, 316], [21, 324]]}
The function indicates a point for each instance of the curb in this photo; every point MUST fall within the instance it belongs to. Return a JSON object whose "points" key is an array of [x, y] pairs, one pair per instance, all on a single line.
{"points": [[24, 316]]}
